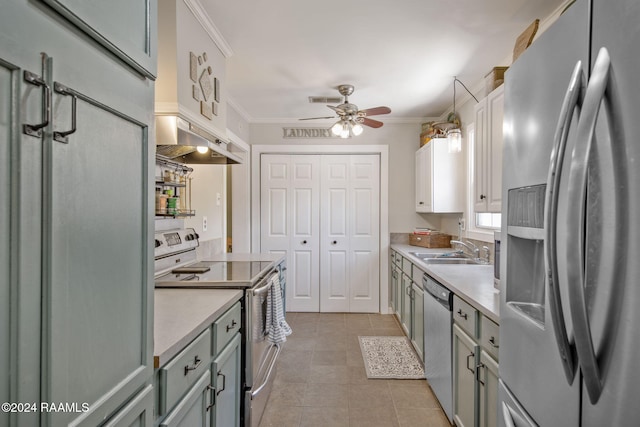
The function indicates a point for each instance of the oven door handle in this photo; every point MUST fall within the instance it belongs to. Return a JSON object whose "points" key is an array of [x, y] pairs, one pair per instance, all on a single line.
{"points": [[267, 376]]}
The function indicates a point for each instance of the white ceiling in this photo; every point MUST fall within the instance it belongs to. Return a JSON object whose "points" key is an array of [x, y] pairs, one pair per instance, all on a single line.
{"points": [[402, 54]]}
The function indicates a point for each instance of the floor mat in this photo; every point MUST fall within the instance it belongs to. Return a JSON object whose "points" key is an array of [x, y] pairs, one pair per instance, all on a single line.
{"points": [[390, 357]]}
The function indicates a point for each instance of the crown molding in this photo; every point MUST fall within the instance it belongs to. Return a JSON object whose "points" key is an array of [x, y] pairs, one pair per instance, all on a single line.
{"points": [[205, 20]]}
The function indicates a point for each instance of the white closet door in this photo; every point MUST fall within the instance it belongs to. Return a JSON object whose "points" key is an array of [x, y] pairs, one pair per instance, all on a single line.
{"points": [[289, 210], [334, 224], [350, 233], [364, 234]]}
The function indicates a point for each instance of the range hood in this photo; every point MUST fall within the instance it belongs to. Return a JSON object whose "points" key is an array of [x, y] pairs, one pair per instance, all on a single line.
{"points": [[179, 140]]}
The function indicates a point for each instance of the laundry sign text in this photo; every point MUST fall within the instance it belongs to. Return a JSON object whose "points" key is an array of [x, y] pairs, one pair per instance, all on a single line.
{"points": [[307, 133]]}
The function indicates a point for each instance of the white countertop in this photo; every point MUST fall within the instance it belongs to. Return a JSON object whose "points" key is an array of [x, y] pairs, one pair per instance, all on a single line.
{"points": [[180, 315], [472, 283]]}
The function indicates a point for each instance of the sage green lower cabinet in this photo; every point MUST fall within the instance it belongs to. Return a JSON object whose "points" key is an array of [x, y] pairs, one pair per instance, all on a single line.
{"points": [[193, 409], [405, 316], [465, 350], [475, 367], [417, 319], [201, 385], [408, 300], [394, 279], [395, 289], [226, 380], [488, 380]]}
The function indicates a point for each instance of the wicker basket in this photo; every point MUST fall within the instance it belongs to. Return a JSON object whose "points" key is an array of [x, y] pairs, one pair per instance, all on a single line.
{"points": [[432, 240], [494, 79]]}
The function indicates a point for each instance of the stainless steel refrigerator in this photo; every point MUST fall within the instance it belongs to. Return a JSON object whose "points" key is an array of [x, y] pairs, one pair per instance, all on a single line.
{"points": [[570, 303]]}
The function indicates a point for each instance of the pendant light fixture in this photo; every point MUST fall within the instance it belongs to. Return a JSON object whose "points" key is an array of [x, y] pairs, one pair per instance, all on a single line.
{"points": [[454, 134]]}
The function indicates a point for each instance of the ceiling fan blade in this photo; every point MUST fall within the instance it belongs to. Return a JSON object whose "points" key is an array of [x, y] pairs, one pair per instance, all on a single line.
{"points": [[370, 122], [375, 111], [318, 118]]}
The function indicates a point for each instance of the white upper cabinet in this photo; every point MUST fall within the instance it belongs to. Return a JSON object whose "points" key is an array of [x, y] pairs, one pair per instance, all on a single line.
{"points": [[487, 183], [439, 178]]}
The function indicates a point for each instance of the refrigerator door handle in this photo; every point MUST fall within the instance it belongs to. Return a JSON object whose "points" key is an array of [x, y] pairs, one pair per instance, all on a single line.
{"points": [[600, 89], [506, 415], [572, 101]]}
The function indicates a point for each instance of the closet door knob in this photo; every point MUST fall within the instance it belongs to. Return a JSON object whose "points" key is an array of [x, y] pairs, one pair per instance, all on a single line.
{"points": [[335, 242]]}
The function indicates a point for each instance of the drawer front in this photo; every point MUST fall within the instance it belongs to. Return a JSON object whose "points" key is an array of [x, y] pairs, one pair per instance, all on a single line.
{"points": [[406, 266], [226, 327], [417, 275], [489, 336], [177, 376], [465, 316]]}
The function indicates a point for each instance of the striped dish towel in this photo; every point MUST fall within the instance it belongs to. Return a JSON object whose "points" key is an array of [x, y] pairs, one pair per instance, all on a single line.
{"points": [[277, 327]]}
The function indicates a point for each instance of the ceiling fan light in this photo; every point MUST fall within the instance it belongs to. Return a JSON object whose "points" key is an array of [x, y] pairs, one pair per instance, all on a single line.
{"points": [[357, 129], [454, 140], [337, 128]]}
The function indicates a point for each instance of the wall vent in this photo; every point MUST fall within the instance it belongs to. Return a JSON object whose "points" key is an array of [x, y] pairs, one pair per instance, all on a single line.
{"points": [[325, 99]]}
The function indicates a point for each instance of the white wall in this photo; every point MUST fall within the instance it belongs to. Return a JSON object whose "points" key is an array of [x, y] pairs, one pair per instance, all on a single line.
{"points": [[208, 181]]}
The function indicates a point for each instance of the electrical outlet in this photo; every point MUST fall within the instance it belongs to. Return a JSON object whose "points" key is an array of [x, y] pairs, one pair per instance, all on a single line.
{"points": [[218, 199], [204, 223], [462, 224]]}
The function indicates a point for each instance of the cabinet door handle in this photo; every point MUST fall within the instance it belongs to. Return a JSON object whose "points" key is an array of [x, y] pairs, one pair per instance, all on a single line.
{"points": [[213, 397], [196, 362], [36, 129], [462, 314], [482, 197], [468, 357], [335, 242], [492, 342], [63, 90], [421, 203], [304, 242], [478, 367], [224, 382], [232, 325]]}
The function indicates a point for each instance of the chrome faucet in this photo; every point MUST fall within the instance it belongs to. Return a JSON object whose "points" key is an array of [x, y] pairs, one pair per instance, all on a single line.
{"points": [[487, 255], [470, 246]]}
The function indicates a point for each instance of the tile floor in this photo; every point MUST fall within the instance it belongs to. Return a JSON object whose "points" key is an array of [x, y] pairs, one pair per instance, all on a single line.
{"points": [[321, 380]]}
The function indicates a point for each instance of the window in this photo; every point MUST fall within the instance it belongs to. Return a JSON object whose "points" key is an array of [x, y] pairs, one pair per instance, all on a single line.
{"points": [[488, 220]]}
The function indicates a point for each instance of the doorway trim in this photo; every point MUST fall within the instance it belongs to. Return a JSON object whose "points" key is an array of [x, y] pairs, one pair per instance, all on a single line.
{"points": [[381, 150]]}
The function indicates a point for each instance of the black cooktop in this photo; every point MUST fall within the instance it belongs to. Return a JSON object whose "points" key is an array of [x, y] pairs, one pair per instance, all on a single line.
{"points": [[215, 274]]}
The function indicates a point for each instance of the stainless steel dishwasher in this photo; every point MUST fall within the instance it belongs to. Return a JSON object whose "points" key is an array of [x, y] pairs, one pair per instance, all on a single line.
{"points": [[438, 319]]}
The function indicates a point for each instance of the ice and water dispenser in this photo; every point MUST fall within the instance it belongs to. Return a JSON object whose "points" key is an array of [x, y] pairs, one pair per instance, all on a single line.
{"points": [[525, 251]]}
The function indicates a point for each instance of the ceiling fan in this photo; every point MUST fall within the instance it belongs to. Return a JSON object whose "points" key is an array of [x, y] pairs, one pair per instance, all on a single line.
{"points": [[350, 118]]}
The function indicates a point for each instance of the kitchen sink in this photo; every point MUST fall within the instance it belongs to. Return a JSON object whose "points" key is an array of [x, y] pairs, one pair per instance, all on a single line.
{"points": [[437, 255], [450, 261], [446, 258]]}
